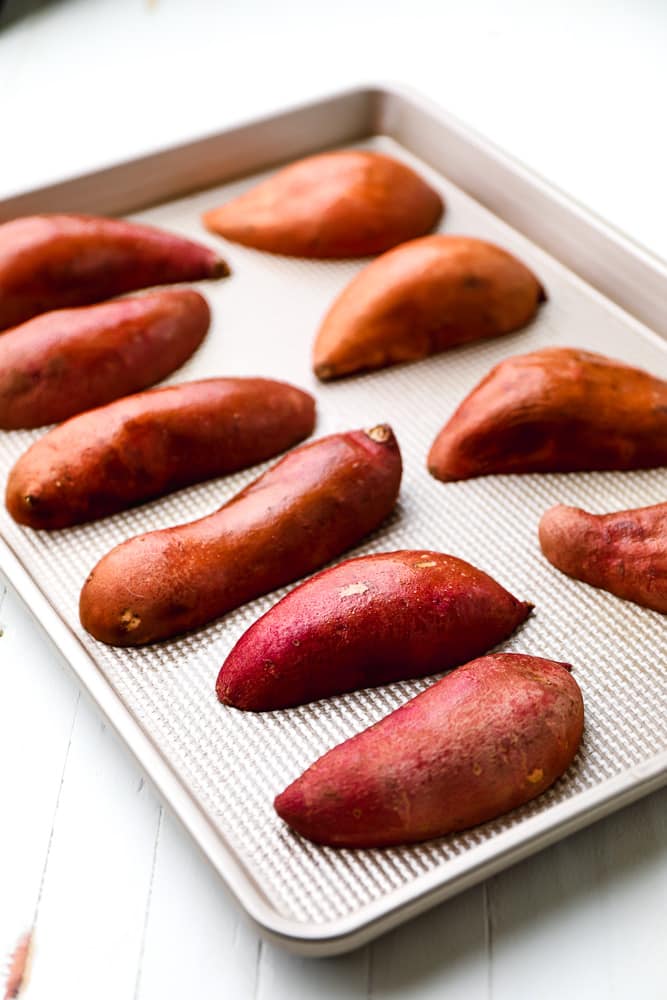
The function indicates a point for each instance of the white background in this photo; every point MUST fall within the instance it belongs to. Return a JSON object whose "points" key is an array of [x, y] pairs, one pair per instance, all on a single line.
{"points": [[121, 904]]}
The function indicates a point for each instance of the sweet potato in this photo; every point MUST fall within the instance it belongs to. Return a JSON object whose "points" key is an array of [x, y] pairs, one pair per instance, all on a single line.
{"points": [[56, 261], [555, 410], [485, 739], [71, 360], [150, 444], [343, 204], [420, 299], [315, 503], [624, 552], [368, 621]]}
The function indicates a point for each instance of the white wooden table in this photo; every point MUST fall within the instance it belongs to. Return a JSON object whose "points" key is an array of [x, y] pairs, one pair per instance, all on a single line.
{"points": [[119, 903]]}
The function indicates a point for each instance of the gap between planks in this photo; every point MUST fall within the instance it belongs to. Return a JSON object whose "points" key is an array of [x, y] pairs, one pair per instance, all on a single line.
{"points": [[149, 896]]}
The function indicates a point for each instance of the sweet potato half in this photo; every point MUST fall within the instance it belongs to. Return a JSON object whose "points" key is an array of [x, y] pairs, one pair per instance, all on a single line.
{"points": [[422, 298], [485, 739], [368, 621], [315, 503], [64, 362], [624, 552], [555, 410], [56, 261], [152, 443], [343, 204]]}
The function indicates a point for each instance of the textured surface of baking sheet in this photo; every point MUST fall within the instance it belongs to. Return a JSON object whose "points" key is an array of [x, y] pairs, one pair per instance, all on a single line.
{"points": [[264, 320]]}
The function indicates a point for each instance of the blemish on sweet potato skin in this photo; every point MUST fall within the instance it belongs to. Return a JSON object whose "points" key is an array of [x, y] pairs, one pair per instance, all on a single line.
{"points": [[624, 552], [349, 203], [468, 749], [368, 621], [555, 410], [349, 590]]}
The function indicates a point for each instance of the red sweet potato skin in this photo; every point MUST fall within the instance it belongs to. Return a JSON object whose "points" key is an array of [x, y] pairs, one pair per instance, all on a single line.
{"points": [[344, 204], [368, 621], [422, 298], [315, 503], [71, 360], [555, 410], [624, 552], [152, 443], [485, 739], [57, 261]]}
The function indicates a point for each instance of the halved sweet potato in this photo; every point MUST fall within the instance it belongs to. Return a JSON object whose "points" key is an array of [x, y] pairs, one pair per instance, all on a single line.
{"points": [[559, 409], [422, 298], [485, 739], [368, 621], [343, 204], [624, 552]]}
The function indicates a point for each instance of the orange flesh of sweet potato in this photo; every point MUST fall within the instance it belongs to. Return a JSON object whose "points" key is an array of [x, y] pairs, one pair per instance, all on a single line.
{"points": [[64, 362], [152, 443], [555, 410], [57, 261], [343, 204], [422, 298], [624, 552], [315, 503], [368, 621], [485, 739]]}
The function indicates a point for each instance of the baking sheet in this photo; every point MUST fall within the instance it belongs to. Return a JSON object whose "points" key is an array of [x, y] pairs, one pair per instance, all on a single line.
{"points": [[264, 320]]}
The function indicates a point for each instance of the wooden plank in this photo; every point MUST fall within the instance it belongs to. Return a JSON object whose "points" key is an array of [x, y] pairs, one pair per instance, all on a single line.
{"points": [[549, 905], [441, 954], [90, 918], [38, 704], [595, 904], [448, 945], [633, 888], [197, 942], [283, 976]]}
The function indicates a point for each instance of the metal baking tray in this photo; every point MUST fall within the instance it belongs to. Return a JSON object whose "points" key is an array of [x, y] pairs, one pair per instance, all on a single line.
{"points": [[218, 768]]}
